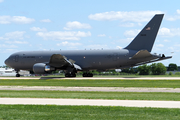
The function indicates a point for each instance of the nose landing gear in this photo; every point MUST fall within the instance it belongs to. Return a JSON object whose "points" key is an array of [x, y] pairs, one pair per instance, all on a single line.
{"points": [[17, 75]]}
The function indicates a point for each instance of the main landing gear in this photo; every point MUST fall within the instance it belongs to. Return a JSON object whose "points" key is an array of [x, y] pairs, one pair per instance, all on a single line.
{"points": [[74, 75], [87, 75], [70, 75]]}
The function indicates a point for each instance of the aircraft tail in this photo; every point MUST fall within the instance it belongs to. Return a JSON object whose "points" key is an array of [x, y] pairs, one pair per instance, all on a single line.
{"points": [[145, 39]]}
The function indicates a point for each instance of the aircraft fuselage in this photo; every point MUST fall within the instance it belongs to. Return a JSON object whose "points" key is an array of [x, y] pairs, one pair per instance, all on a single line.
{"points": [[87, 59]]}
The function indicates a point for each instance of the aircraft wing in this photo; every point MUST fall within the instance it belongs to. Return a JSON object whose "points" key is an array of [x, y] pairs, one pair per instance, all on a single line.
{"points": [[59, 61]]}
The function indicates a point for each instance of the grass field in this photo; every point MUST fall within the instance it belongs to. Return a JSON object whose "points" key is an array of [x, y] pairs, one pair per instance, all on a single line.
{"points": [[93, 83], [52, 112], [47, 112], [91, 95]]}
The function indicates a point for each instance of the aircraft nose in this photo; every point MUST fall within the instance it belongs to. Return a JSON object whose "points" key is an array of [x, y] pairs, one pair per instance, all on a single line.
{"points": [[6, 61]]}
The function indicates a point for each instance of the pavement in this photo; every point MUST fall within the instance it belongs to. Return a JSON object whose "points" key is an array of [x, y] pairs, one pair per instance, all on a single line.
{"points": [[91, 102], [100, 89]]}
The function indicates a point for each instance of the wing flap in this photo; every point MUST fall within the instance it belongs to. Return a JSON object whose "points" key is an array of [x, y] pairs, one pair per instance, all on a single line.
{"points": [[77, 67]]}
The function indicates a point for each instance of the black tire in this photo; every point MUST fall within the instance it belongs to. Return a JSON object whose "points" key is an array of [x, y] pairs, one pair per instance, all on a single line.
{"points": [[70, 75], [17, 75], [90, 75], [84, 74], [87, 75], [67, 75], [73, 75]]}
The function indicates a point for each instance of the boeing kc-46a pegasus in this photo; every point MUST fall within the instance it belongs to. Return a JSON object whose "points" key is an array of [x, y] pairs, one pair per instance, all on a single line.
{"points": [[72, 61]]}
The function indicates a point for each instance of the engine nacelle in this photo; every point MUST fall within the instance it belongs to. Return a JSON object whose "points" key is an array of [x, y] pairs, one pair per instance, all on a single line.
{"points": [[41, 68]]}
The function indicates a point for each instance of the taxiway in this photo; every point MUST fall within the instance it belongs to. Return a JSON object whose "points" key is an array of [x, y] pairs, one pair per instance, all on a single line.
{"points": [[91, 102], [101, 89]]}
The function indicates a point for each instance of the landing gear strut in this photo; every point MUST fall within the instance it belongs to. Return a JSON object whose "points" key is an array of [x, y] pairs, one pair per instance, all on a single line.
{"points": [[70, 72], [17, 75], [87, 75]]}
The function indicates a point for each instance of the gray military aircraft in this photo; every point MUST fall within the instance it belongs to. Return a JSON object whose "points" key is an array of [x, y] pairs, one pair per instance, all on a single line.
{"points": [[71, 61]]}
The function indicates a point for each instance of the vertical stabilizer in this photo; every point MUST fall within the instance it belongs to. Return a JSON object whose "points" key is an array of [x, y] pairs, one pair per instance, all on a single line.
{"points": [[145, 39]]}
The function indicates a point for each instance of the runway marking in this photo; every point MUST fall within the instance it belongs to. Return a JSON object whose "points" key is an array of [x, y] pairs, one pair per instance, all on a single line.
{"points": [[127, 103], [101, 89]]}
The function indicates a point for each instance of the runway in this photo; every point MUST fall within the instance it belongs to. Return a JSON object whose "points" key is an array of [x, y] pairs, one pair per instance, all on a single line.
{"points": [[98, 78], [100, 89], [90, 102]]}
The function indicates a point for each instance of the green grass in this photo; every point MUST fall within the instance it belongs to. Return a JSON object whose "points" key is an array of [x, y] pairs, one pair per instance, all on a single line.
{"points": [[93, 83], [52, 112], [91, 95]]}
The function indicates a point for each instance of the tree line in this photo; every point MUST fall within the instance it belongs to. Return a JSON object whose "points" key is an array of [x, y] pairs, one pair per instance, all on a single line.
{"points": [[154, 69]]}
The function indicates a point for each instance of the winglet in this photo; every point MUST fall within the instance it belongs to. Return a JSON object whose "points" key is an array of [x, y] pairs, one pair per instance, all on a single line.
{"points": [[145, 39]]}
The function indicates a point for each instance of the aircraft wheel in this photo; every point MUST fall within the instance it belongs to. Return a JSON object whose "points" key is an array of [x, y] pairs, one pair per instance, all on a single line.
{"points": [[67, 75], [70, 75], [87, 75], [73, 75], [84, 74], [17, 75], [90, 75]]}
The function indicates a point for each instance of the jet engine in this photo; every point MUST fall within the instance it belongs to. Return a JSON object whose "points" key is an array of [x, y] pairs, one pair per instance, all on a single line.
{"points": [[41, 68]]}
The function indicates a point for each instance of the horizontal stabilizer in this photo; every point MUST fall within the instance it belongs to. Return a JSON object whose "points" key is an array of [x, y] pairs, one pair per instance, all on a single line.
{"points": [[159, 59], [141, 54], [146, 62]]}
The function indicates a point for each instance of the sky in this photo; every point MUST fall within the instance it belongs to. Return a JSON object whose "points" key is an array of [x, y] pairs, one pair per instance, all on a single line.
{"points": [[36, 25]]}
